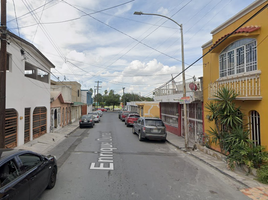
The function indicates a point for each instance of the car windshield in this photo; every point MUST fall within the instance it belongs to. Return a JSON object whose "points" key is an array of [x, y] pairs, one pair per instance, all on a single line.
{"points": [[152, 122]]}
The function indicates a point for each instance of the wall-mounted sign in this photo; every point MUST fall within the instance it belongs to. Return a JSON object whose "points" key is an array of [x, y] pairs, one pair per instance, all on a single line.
{"points": [[186, 100]]}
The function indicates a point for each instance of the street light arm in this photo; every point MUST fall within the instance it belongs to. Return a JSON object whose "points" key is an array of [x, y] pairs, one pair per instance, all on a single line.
{"points": [[141, 13]]}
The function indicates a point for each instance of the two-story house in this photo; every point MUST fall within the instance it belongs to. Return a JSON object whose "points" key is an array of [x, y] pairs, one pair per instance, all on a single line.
{"points": [[237, 58], [86, 98], [171, 100], [27, 92], [70, 89]]}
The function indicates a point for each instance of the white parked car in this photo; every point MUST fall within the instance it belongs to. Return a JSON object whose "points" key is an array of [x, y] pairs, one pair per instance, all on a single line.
{"points": [[96, 116], [100, 112]]}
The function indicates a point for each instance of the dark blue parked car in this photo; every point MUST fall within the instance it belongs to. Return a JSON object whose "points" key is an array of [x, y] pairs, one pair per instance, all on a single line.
{"points": [[24, 175]]}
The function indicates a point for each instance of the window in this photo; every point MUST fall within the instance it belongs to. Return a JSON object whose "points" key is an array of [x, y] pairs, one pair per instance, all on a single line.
{"points": [[8, 172], [9, 61], [238, 57], [254, 120], [29, 161], [33, 72]]}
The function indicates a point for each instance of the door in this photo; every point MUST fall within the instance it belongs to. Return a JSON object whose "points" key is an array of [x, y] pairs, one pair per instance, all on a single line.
{"points": [[38, 172], [14, 184]]}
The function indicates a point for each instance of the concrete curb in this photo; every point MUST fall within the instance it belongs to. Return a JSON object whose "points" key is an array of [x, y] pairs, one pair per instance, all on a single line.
{"points": [[214, 167]]}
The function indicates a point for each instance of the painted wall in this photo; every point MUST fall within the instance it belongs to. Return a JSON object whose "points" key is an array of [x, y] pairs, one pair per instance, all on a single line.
{"points": [[150, 109], [211, 62], [23, 92]]}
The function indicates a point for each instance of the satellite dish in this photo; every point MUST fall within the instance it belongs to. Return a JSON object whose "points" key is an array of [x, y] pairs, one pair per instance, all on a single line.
{"points": [[193, 86]]}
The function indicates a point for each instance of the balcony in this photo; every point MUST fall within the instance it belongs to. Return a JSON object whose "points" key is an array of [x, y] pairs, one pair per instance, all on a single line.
{"points": [[173, 91], [247, 86]]}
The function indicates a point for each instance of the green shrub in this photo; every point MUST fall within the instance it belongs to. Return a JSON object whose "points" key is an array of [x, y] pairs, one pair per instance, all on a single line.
{"points": [[262, 174]]}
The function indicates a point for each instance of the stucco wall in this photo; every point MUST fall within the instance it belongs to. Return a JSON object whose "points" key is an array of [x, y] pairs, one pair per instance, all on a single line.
{"points": [[23, 92], [211, 67]]}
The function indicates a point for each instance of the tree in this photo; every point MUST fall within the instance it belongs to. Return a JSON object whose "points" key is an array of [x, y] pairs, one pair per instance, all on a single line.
{"points": [[112, 99], [98, 99], [225, 114], [128, 97]]}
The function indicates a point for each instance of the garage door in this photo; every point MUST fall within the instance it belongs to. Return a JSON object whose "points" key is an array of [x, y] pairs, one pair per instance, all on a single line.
{"points": [[39, 121], [11, 127]]}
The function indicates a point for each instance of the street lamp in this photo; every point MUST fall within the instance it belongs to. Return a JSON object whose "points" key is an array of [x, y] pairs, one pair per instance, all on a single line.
{"points": [[183, 73]]}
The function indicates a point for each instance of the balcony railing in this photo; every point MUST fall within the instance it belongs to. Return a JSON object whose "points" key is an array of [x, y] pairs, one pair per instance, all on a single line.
{"points": [[248, 87], [175, 88]]}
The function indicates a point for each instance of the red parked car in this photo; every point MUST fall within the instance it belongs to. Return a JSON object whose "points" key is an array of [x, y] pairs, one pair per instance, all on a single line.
{"points": [[123, 115], [102, 109], [131, 118]]}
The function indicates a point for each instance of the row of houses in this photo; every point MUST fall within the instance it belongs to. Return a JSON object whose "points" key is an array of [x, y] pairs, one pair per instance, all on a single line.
{"points": [[35, 104], [235, 57]]}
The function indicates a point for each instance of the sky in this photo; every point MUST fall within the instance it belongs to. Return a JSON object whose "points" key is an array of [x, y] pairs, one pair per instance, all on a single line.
{"points": [[101, 40]]}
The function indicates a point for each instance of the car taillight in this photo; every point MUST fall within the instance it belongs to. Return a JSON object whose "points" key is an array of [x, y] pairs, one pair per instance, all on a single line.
{"points": [[90, 120], [98, 116], [144, 129], [80, 120]]}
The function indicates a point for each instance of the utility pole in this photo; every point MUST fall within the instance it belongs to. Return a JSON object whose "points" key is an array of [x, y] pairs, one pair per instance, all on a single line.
{"points": [[3, 63], [98, 87], [123, 98]]}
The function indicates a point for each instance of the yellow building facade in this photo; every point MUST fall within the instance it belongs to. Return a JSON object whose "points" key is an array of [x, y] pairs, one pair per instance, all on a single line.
{"points": [[145, 108], [237, 57]]}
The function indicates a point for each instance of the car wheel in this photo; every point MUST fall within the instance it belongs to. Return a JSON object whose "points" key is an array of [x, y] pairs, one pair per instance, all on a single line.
{"points": [[140, 138], [127, 125], [133, 130], [52, 179]]}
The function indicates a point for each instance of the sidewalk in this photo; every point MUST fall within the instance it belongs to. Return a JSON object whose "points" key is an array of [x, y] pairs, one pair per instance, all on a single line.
{"points": [[254, 189], [48, 141]]}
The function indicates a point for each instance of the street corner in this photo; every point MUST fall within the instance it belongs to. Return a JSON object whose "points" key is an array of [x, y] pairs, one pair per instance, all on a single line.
{"points": [[257, 193]]}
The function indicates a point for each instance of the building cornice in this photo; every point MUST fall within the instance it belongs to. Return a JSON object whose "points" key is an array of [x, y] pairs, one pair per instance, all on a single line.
{"points": [[239, 15]]}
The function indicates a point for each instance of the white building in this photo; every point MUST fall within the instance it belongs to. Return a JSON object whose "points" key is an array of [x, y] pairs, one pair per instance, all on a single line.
{"points": [[87, 99], [27, 92]]}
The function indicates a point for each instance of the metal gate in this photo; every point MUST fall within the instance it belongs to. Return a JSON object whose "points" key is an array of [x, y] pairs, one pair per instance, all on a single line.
{"points": [[39, 121], [27, 125], [11, 127]]}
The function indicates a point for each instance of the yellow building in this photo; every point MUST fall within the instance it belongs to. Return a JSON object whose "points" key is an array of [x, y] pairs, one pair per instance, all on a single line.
{"points": [[237, 57], [145, 108]]}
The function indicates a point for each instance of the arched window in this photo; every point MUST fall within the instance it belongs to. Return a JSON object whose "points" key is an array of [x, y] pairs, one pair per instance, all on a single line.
{"points": [[238, 57], [254, 122]]}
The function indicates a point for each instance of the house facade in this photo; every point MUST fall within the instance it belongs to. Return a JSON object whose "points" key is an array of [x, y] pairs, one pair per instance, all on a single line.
{"points": [[60, 111], [27, 92], [144, 108], [171, 100], [71, 92], [239, 61], [87, 100]]}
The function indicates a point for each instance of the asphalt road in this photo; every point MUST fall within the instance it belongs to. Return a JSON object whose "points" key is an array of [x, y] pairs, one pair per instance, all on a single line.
{"points": [[108, 162]]}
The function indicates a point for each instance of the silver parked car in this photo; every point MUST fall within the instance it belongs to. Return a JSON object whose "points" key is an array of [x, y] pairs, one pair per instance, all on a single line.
{"points": [[96, 116], [150, 128]]}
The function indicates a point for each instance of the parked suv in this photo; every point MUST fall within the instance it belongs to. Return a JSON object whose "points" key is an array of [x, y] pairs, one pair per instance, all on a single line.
{"points": [[150, 128], [131, 118]]}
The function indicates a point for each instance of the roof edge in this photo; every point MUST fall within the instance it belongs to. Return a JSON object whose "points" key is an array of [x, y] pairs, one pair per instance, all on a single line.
{"points": [[239, 15], [207, 44]]}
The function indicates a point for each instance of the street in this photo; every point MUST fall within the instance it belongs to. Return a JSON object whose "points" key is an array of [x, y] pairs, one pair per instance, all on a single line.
{"points": [[109, 162]]}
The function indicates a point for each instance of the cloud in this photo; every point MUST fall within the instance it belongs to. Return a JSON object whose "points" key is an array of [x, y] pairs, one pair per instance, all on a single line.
{"points": [[116, 47]]}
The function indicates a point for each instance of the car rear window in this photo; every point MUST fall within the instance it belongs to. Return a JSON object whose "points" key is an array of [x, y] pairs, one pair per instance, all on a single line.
{"points": [[151, 122], [84, 117], [134, 116]]}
